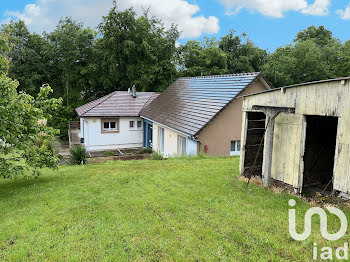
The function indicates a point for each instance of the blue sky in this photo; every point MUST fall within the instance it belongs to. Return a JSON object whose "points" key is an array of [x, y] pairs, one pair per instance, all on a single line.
{"points": [[268, 23]]}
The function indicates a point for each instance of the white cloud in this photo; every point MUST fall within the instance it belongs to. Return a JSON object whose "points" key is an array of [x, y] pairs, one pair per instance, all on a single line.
{"points": [[319, 7], [276, 8], [44, 14], [344, 14], [30, 11]]}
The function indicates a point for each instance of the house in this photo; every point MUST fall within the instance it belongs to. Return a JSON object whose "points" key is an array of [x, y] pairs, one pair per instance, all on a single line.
{"points": [[299, 135], [113, 121], [200, 113]]}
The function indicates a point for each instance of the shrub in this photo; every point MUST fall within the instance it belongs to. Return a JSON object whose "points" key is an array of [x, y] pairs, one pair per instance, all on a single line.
{"points": [[108, 153], [51, 145], [157, 156], [146, 150], [78, 155]]}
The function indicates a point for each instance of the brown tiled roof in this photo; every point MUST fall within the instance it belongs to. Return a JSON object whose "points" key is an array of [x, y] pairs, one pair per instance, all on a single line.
{"points": [[190, 103], [118, 103]]}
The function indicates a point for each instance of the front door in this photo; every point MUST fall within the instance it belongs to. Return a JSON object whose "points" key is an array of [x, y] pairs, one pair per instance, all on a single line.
{"points": [[149, 135]]}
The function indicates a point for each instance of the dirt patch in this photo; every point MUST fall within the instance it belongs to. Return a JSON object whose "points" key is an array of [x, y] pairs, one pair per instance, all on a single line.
{"points": [[318, 199]]}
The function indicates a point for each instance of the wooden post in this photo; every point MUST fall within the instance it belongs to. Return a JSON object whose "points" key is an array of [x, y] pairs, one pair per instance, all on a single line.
{"points": [[269, 146]]}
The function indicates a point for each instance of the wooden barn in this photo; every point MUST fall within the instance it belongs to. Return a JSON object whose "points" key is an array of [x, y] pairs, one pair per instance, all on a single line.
{"points": [[299, 135]]}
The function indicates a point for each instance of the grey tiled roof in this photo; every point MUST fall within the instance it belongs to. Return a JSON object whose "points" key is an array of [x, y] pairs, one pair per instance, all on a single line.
{"points": [[118, 103], [190, 103]]}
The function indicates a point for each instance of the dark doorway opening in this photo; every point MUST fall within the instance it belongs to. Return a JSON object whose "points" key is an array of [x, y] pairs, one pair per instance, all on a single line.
{"points": [[321, 133], [254, 146]]}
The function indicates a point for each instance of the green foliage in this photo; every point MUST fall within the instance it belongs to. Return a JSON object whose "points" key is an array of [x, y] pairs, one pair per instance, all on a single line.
{"points": [[316, 55], [25, 138], [29, 57], [157, 156], [202, 58], [78, 155], [145, 150], [60, 120], [242, 54], [319, 35], [108, 153], [71, 49], [134, 50]]}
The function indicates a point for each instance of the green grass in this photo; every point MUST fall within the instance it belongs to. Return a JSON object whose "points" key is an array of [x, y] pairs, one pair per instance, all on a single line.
{"points": [[179, 209]]}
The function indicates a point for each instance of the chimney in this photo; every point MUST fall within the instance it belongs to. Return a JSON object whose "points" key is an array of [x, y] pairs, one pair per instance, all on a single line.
{"points": [[133, 90]]}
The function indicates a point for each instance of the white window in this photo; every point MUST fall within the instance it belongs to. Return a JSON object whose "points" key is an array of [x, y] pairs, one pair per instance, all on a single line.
{"points": [[131, 124], [139, 124], [161, 139], [109, 125], [181, 145], [235, 148]]}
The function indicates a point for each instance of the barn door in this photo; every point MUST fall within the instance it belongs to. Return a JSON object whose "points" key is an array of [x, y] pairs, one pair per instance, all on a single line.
{"points": [[288, 148]]}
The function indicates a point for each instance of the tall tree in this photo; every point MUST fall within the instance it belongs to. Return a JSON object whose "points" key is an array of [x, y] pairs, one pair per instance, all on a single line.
{"points": [[25, 139], [134, 51], [71, 47], [320, 35], [242, 54], [29, 61], [202, 58], [315, 55]]}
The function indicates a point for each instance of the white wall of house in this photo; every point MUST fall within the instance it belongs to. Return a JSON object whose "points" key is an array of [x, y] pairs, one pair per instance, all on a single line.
{"points": [[127, 137], [171, 142]]}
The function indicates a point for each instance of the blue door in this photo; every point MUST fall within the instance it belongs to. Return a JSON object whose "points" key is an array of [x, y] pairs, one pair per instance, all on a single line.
{"points": [[147, 133]]}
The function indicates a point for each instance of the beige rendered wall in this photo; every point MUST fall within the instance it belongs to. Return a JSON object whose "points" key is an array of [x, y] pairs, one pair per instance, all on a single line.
{"points": [[226, 126], [170, 141]]}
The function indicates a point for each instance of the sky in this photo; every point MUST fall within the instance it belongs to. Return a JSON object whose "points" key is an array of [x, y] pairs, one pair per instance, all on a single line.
{"points": [[268, 23]]}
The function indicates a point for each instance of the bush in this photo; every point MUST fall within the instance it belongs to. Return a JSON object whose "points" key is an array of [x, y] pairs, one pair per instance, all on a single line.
{"points": [[157, 156], [146, 150], [78, 155], [108, 153], [52, 146]]}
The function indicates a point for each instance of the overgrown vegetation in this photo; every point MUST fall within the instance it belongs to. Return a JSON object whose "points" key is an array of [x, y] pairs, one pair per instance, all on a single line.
{"points": [[108, 153], [78, 155], [157, 156], [26, 142], [145, 150], [145, 210]]}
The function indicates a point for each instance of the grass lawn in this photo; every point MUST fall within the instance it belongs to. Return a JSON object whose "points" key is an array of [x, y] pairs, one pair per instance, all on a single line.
{"points": [[178, 209]]}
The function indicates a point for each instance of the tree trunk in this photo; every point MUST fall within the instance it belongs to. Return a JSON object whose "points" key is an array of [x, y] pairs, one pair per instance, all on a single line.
{"points": [[67, 87]]}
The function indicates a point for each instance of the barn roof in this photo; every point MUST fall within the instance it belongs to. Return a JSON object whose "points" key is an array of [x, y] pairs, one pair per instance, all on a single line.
{"points": [[190, 103], [118, 103], [301, 84]]}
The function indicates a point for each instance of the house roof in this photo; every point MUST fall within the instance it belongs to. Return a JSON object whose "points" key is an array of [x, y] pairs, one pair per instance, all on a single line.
{"points": [[190, 103], [118, 103]]}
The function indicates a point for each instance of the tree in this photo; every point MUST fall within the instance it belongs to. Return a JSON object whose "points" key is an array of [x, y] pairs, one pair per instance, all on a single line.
{"points": [[315, 55], [134, 51], [202, 58], [29, 62], [281, 67], [319, 35], [242, 54], [25, 139], [71, 47]]}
